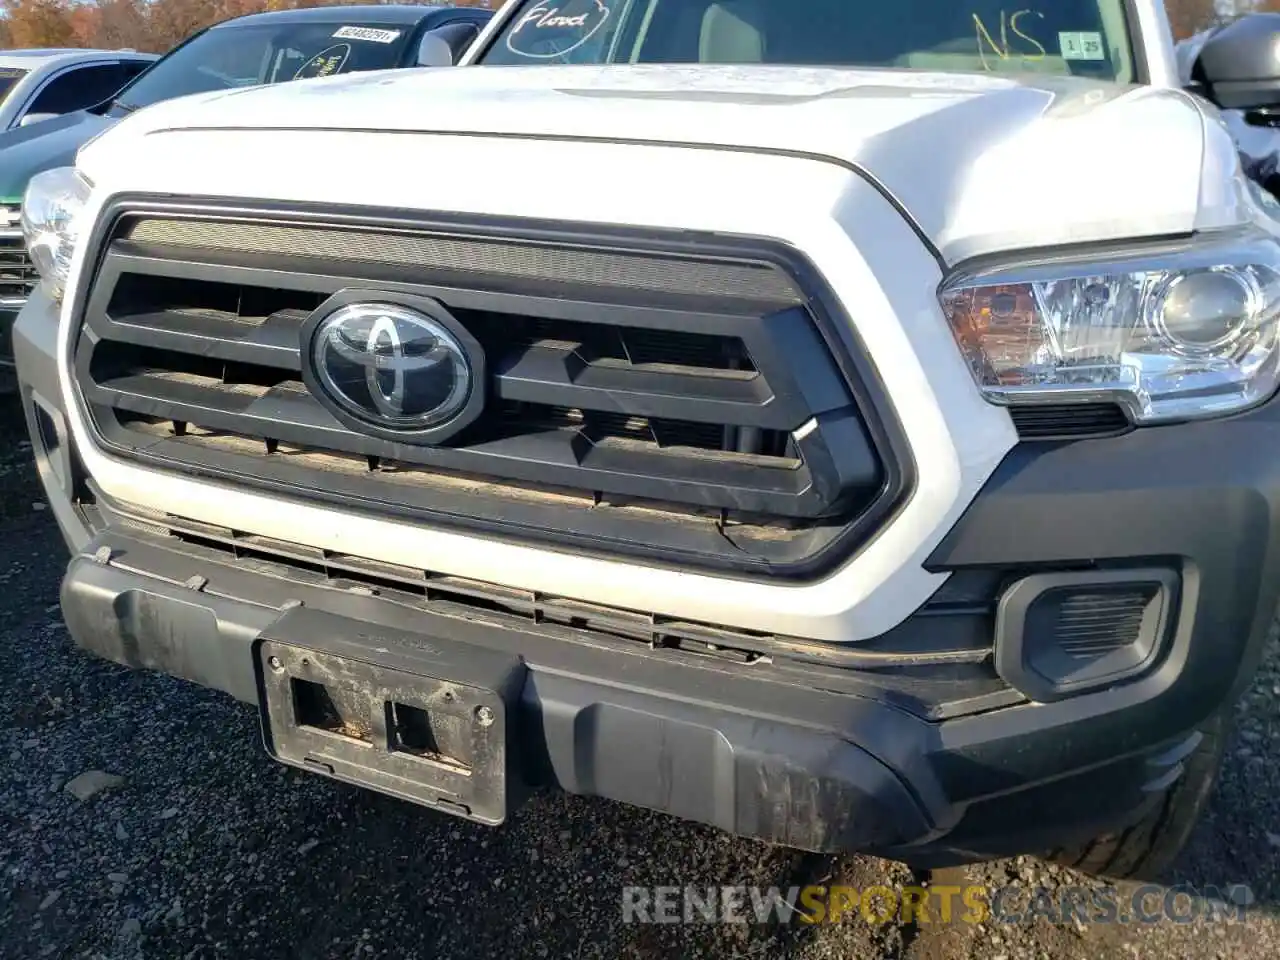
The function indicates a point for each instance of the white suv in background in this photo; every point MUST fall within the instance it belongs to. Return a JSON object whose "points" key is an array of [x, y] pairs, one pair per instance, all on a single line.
{"points": [[38, 84]]}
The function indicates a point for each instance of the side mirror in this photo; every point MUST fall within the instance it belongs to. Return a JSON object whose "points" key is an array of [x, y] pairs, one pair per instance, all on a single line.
{"points": [[1239, 66], [31, 118], [444, 46]]}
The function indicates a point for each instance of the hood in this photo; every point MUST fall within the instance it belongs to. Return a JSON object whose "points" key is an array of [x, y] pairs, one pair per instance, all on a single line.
{"points": [[976, 161], [26, 151]]}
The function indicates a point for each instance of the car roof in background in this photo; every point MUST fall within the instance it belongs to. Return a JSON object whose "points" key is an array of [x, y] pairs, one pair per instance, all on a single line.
{"points": [[356, 14], [32, 59]]}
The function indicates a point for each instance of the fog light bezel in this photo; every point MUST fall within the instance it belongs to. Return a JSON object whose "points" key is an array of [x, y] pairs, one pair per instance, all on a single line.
{"points": [[1015, 645]]}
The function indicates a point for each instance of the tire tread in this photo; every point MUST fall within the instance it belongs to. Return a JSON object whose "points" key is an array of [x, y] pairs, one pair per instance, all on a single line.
{"points": [[1147, 848]]}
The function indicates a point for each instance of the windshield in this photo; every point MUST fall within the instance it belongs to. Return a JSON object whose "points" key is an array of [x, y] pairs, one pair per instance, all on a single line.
{"points": [[1065, 37], [241, 56], [9, 77]]}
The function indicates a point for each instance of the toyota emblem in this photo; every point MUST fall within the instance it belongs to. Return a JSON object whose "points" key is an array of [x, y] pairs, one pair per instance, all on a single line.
{"points": [[390, 367]]}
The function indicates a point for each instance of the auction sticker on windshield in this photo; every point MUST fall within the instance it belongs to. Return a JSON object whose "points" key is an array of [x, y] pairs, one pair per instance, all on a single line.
{"points": [[549, 30], [1082, 46], [366, 33]]}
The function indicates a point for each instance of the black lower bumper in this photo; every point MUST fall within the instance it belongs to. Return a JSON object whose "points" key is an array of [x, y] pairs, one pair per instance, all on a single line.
{"points": [[816, 756], [761, 755], [748, 755]]}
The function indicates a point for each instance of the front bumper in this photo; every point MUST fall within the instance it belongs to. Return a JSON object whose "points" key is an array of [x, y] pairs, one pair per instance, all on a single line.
{"points": [[818, 756]]}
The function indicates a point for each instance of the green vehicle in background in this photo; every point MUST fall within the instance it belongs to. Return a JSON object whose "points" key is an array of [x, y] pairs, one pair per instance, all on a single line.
{"points": [[37, 87]]}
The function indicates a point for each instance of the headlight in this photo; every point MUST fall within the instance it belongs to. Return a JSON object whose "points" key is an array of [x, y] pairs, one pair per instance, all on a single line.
{"points": [[1187, 330], [50, 223]]}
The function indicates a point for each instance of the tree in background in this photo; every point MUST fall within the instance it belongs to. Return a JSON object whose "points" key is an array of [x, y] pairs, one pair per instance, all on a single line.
{"points": [[114, 24], [151, 25], [171, 21], [39, 23], [1192, 16]]}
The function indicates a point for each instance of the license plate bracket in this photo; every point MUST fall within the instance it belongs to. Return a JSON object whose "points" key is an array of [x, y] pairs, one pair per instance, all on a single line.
{"points": [[421, 719]]}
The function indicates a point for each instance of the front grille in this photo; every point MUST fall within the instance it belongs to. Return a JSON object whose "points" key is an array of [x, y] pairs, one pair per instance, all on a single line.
{"points": [[17, 276], [646, 395]]}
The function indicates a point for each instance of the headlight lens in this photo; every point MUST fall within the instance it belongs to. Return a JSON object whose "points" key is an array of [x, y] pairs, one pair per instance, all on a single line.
{"points": [[1185, 331], [51, 222]]}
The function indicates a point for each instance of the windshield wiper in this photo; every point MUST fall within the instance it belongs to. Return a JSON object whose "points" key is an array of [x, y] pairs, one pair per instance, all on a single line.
{"points": [[125, 108]]}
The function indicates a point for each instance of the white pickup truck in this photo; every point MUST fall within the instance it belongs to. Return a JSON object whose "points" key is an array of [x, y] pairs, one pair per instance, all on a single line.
{"points": [[850, 425]]}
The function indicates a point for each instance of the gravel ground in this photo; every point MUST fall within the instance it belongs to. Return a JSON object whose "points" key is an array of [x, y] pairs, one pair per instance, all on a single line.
{"points": [[205, 848]]}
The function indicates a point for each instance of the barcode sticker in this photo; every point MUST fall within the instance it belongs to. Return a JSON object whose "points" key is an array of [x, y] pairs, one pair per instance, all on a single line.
{"points": [[367, 33]]}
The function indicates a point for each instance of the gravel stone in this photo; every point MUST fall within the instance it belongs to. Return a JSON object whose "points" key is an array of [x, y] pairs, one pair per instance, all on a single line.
{"points": [[90, 783]]}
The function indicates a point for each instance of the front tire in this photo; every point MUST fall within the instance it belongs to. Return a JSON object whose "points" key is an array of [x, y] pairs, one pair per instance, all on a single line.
{"points": [[1147, 849]]}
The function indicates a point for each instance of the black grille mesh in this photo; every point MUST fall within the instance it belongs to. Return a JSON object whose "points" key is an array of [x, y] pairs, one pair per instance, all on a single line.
{"points": [[511, 260]]}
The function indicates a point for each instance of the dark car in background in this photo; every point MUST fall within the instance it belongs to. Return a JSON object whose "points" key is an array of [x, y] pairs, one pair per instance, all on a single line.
{"points": [[260, 48]]}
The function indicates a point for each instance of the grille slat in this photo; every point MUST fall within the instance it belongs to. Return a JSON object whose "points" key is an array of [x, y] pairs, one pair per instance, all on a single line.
{"points": [[273, 341], [714, 392], [18, 277], [546, 371], [284, 414], [559, 375]]}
